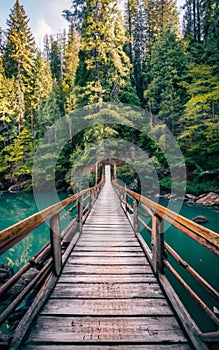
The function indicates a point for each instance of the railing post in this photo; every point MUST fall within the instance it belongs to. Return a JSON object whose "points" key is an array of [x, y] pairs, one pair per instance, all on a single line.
{"points": [[90, 200], [135, 216], [157, 244], [55, 237], [115, 172], [80, 213]]}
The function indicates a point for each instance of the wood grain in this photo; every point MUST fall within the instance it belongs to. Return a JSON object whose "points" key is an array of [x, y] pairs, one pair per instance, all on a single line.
{"points": [[107, 290], [106, 329]]}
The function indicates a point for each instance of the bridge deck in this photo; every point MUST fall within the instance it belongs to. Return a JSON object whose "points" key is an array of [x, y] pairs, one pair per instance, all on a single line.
{"points": [[107, 296]]}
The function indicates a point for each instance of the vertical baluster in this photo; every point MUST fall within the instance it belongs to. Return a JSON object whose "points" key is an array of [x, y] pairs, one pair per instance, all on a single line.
{"points": [[157, 243], [135, 215], [114, 172], [80, 213], [55, 237]]}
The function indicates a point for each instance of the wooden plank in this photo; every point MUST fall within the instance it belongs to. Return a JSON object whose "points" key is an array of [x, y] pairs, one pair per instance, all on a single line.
{"points": [[106, 329], [99, 270], [108, 244], [106, 226], [102, 234], [73, 278], [107, 307], [128, 249], [107, 290], [107, 254], [109, 347], [108, 229], [107, 260], [106, 239]]}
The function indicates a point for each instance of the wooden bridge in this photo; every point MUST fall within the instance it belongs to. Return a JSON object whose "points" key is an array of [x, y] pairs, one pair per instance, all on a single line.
{"points": [[99, 285]]}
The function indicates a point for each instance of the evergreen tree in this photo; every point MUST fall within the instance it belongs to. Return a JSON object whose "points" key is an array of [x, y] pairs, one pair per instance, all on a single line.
{"points": [[70, 64], [77, 14], [55, 58], [8, 108], [42, 88], [135, 21], [165, 96], [18, 58], [103, 65], [161, 15]]}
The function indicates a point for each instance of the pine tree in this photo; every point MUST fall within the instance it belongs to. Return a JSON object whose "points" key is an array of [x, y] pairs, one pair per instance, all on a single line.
{"points": [[103, 64], [77, 14], [135, 21], [160, 15], [165, 96], [42, 88], [70, 64], [18, 58], [8, 108]]}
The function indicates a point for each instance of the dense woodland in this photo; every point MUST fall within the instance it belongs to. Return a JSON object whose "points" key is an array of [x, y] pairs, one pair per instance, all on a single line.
{"points": [[138, 56]]}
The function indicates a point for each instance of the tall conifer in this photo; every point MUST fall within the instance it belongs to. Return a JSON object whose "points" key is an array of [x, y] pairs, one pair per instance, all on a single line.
{"points": [[103, 64], [18, 58]]}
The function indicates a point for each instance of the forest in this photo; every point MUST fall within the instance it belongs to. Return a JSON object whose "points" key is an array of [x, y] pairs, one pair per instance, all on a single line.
{"points": [[140, 56]]}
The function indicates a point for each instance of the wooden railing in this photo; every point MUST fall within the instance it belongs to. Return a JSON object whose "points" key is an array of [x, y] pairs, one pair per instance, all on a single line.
{"points": [[51, 258], [138, 207]]}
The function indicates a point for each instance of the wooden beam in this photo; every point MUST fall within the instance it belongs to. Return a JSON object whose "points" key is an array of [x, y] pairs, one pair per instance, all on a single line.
{"points": [[55, 237]]}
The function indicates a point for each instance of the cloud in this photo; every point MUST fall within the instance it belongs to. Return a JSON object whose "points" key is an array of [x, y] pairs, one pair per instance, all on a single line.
{"points": [[42, 28], [55, 18]]}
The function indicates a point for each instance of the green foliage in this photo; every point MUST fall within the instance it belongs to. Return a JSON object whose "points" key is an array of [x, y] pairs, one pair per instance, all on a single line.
{"points": [[165, 94], [103, 65], [16, 158]]}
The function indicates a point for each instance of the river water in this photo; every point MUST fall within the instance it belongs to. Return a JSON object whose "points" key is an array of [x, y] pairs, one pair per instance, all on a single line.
{"points": [[15, 207]]}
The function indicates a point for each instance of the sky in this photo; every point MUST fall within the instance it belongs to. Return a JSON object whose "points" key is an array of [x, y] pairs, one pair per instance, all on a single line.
{"points": [[45, 15]]}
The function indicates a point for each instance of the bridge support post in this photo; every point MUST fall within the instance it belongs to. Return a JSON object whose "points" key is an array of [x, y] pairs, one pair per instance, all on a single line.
{"points": [[55, 237], [80, 213], [157, 243], [135, 216], [115, 172]]}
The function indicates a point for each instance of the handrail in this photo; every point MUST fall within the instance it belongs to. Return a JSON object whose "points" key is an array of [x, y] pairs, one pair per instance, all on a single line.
{"points": [[52, 256], [13, 234], [196, 231], [157, 254]]}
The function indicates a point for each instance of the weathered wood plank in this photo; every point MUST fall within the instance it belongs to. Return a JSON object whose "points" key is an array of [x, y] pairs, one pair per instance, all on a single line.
{"points": [[128, 249], [107, 260], [107, 239], [94, 253], [129, 278], [113, 234], [108, 244], [90, 226], [107, 307], [106, 329], [107, 290], [111, 270], [109, 347]]}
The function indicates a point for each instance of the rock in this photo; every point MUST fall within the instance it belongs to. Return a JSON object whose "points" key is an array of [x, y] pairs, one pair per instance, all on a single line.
{"points": [[209, 199], [200, 219], [190, 197], [19, 186]]}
